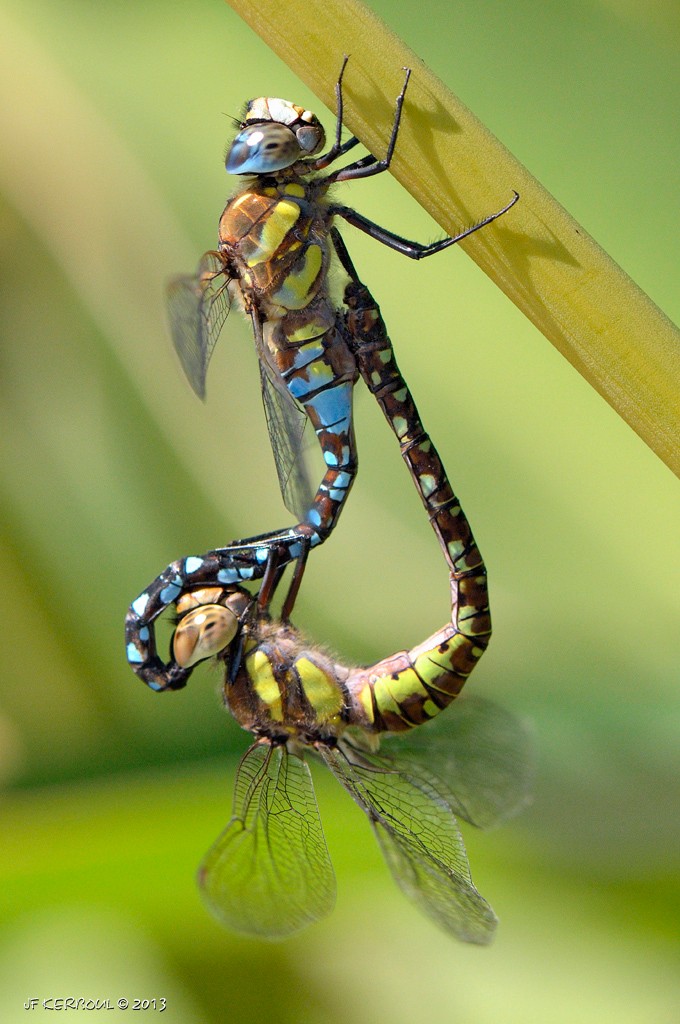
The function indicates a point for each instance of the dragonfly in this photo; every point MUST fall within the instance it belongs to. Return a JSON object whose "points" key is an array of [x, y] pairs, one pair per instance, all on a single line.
{"points": [[269, 874], [276, 246]]}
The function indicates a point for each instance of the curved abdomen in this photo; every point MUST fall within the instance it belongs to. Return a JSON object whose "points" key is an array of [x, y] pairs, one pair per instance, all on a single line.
{"points": [[411, 687]]}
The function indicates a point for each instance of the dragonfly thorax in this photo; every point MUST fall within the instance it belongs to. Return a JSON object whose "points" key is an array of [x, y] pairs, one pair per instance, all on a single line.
{"points": [[274, 134], [286, 687]]}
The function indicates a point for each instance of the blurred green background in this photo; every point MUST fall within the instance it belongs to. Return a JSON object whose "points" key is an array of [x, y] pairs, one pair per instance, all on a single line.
{"points": [[111, 179]]}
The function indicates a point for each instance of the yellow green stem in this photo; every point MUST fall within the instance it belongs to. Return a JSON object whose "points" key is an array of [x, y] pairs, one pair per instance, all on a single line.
{"points": [[543, 260]]}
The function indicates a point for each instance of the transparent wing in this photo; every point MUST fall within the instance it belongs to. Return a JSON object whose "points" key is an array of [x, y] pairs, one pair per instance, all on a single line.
{"points": [[419, 838], [269, 873], [480, 754], [197, 309], [286, 423]]}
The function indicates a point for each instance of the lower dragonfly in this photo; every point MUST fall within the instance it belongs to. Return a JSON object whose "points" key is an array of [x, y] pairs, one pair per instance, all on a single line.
{"points": [[269, 874], [273, 258]]}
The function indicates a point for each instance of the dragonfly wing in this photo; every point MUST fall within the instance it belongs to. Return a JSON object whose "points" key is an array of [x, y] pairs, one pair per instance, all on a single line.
{"points": [[481, 756], [197, 309], [269, 873], [420, 841], [286, 423]]}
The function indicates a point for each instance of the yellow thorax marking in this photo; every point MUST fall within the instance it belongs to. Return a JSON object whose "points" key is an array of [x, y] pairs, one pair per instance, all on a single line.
{"points": [[293, 189], [265, 684], [295, 290], [275, 227], [324, 695]]}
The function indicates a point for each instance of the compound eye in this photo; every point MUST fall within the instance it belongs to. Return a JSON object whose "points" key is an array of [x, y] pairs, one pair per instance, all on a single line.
{"points": [[202, 633], [311, 138], [263, 149]]}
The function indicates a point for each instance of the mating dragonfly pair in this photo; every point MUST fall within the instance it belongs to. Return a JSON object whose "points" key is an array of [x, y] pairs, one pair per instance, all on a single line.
{"points": [[269, 873]]}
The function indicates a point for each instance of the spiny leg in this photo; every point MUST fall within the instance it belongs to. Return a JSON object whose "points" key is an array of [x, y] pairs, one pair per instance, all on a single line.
{"points": [[338, 148], [368, 166], [414, 250], [294, 588], [272, 577]]}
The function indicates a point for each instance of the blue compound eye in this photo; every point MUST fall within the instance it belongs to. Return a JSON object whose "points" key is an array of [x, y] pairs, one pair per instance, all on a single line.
{"points": [[262, 149]]}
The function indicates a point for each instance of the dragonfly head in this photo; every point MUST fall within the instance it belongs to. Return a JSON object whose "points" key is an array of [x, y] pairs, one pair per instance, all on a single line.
{"points": [[209, 620], [274, 134]]}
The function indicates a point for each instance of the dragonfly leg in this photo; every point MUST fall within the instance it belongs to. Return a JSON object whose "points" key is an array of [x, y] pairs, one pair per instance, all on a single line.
{"points": [[368, 166], [293, 589], [271, 579], [414, 250], [275, 568], [338, 148]]}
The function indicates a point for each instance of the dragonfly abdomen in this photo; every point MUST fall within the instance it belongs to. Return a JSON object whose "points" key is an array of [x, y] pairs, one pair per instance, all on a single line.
{"points": [[320, 374], [412, 687], [373, 351], [407, 689], [276, 236]]}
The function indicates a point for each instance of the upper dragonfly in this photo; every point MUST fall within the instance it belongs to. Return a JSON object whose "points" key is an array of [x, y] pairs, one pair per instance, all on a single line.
{"points": [[275, 248]]}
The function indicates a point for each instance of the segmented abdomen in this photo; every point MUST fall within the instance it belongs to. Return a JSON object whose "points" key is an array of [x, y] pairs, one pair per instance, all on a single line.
{"points": [[411, 687]]}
